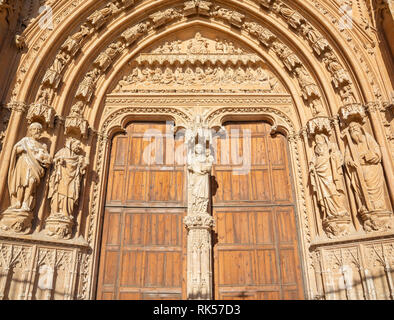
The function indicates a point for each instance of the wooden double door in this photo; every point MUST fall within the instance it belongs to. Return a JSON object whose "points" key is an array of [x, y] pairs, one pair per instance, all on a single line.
{"points": [[143, 246]]}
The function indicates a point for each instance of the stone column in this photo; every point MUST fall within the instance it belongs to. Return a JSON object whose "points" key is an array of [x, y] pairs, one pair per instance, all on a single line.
{"points": [[199, 256]]}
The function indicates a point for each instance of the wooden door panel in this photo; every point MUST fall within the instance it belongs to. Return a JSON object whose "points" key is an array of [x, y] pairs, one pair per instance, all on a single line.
{"points": [[143, 240], [256, 254]]}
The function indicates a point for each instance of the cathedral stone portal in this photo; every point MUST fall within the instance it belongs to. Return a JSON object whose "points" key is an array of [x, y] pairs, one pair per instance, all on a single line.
{"points": [[196, 150]]}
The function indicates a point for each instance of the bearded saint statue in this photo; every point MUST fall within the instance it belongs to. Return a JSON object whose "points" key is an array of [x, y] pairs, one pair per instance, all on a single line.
{"points": [[29, 159], [363, 160]]}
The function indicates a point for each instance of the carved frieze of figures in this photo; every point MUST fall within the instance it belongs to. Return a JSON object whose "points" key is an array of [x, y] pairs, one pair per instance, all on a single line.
{"points": [[162, 17], [197, 6], [99, 17], [86, 87], [326, 177], [73, 43], [262, 34], [289, 58], [206, 78], [64, 188], [53, 75], [29, 159], [233, 17], [75, 123], [363, 162], [133, 33], [106, 57]]}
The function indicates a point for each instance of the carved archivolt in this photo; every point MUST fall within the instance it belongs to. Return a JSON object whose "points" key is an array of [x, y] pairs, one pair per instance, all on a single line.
{"points": [[95, 21]]}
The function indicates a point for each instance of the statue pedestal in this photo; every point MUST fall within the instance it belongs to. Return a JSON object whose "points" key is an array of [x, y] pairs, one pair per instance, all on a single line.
{"points": [[16, 221], [377, 221], [59, 226], [337, 226]]}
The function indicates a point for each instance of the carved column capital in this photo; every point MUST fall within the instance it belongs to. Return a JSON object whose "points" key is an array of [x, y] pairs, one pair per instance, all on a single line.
{"points": [[199, 221], [17, 106]]}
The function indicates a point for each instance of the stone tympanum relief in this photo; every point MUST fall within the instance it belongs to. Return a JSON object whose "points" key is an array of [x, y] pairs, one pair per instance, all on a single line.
{"points": [[27, 167], [363, 161], [64, 188], [326, 177], [198, 220], [199, 65]]}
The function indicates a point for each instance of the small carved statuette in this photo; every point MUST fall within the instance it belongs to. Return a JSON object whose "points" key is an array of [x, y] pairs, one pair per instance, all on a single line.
{"points": [[99, 17], [86, 87], [197, 6], [363, 161], [64, 188], [29, 159], [162, 17], [133, 33]]}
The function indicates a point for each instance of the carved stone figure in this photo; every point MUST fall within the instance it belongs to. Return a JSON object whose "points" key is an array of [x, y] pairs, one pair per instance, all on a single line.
{"points": [[319, 44], [327, 182], [29, 159], [233, 17], [289, 59], [199, 166], [162, 17], [133, 33], [293, 18], [363, 161], [263, 35], [73, 43], [308, 86], [197, 6], [53, 75], [99, 17], [86, 87], [339, 75], [64, 188], [106, 57]]}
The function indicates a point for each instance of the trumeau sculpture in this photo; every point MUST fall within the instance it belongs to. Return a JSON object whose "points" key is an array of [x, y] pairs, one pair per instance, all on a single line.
{"points": [[28, 162], [327, 183], [64, 188], [363, 161], [198, 220]]}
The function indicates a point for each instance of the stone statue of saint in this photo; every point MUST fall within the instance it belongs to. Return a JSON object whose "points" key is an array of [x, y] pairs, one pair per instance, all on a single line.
{"points": [[64, 187], [29, 159], [199, 166], [363, 161], [327, 178]]}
